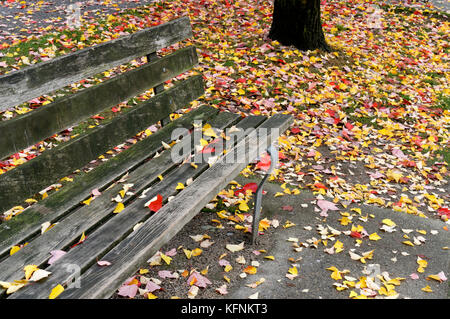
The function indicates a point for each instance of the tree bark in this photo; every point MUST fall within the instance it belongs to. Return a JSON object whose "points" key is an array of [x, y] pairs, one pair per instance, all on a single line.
{"points": [[298, 23]]}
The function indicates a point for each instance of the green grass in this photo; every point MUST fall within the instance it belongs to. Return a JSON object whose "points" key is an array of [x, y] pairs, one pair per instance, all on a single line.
{"points": [[443, 102]]}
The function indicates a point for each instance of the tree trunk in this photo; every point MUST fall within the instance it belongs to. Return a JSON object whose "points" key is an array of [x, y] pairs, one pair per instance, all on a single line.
{"points": [[297, 23]]}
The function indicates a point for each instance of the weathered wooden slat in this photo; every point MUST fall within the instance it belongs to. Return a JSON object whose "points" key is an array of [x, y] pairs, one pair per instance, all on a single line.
{"points": [[32, 127], [17, 184], [42, 78], [138, 247], [118, 227], [157, 89], [71, 227], [25, 225]]}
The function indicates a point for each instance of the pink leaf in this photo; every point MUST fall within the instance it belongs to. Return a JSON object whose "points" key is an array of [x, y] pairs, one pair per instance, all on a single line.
{"points": [[287, 208], [398, 152], [222, 289], [56, 254], [151, 286], [224, 262], [376, 175], [325, 205], [103, 263], [95, 192], [201, 281], [441, 275], [171, 252], [414, 276], [166, 274]]}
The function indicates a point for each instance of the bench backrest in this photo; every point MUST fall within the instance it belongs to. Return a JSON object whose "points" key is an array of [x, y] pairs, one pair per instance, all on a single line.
{"points": [[31, 82]]}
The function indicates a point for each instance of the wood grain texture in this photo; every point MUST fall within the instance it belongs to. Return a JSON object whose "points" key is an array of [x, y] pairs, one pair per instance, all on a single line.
{"points": [[27, 224], [86, 217], [33, 127], [42, 171], [45, 77], [139, 246]]}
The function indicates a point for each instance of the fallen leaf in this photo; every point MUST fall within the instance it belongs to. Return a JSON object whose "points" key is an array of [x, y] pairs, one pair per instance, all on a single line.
{"points": [[56, 291], [235, 248]]}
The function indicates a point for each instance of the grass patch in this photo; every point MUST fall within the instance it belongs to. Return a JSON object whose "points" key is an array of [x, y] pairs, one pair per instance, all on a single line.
{"points": [[443, 102]]}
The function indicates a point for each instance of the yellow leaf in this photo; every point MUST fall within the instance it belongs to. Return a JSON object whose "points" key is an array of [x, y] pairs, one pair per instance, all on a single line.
{"points": [[227, 279], [243, 207], [288, 224], [344, 221], [228, 268], [427, 289], [29, 270], [293, 271], [151, 296], [197, 252], [122, 193], [56, 292], [120, 207], [338, 246], [167, 259], [88, 201], [251, 270], [188, 253], [14, 249], [407, 242], [45, 195], [435, 277], [203, 142], [209, 132], [269, 257], [374, 236], [336, 274], [388, 222], [204, 272], [264, 224], [143, 271]]}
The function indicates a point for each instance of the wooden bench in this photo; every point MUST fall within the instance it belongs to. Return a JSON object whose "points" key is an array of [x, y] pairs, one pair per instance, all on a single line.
{"points": [[111, 236]]}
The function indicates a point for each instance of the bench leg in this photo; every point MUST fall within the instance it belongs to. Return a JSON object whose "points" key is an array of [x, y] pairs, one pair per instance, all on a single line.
{"points": [[273, 152]]}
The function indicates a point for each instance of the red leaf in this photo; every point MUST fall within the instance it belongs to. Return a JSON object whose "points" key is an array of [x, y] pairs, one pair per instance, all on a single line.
{"points": [[295, 130], [251, 186], [156, 204], [288, 208], [444, 211], [349, 126], [355, 234]]}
